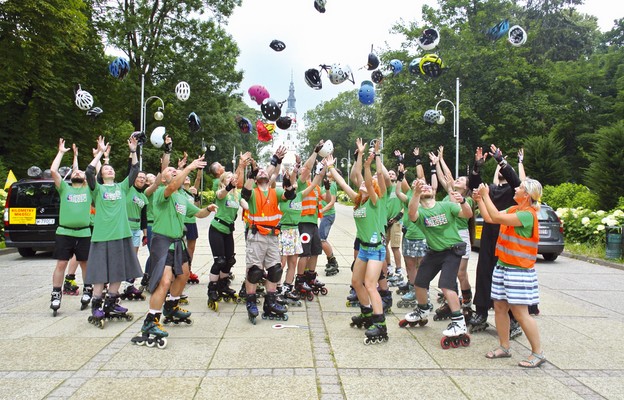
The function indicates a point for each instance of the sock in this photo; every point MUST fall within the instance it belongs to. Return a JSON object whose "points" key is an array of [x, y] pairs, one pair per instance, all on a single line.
{"points": [[456, 314]]}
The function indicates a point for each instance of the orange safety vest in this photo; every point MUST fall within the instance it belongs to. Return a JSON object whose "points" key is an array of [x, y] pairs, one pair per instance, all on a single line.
{"points": [[312, 202], [517, 250], [268, 214]]}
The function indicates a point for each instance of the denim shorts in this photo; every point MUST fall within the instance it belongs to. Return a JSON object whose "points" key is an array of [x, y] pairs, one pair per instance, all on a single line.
{"points": [[136, 237], [324, 227], [372, 254]]}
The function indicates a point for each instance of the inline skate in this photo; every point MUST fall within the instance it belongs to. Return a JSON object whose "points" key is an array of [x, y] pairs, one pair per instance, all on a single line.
{"points": [[87, 294], [273, 310], [455, 334], [408, 300], [152, 333], [396, 279], [193, 278], [442, 313], [55, 301], [97, 314], [514, 329], [316, 285], [213, 296], [405, 288], [477, 323], [352, 299], [69, 286], [183, 299], [378, 331], [364, 320], [226, 293], [144, 286], [386, 300], [289, 294], [252, 307], [174, 314], [132, 293], [112, 309], [303, 288], [331, 268], [420, 317]]}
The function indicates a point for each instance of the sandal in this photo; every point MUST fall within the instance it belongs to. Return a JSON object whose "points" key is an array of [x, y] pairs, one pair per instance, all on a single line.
{"points": [[504, 353], [538, 359]]}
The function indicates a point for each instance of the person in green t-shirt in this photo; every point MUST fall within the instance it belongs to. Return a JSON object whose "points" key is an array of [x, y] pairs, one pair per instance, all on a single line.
{"points": [[112, 257], [329, 217], [437, 221], [73, 235], [372, 253]]}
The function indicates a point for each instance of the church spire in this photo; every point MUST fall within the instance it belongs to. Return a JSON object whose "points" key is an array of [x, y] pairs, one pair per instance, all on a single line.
{"points": [[291, 109]]}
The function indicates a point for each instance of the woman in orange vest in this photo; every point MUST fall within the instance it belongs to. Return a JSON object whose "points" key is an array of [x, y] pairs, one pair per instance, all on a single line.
{"points": [[514, 281]]}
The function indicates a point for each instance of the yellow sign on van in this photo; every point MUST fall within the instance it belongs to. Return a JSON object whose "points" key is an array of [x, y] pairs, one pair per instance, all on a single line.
{"points": [[22, 216], [478, 230]]}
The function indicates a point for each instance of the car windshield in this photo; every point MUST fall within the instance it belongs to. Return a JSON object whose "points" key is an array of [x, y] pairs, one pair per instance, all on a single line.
{"points": [[547, 214], [34, 195]]}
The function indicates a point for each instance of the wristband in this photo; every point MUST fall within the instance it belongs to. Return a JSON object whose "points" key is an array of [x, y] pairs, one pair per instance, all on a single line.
{"points": [[132, 151], [463, 200], [229, 187], [434, 171], [274, 160], [418, 161], [376, 154], [330, 167]]}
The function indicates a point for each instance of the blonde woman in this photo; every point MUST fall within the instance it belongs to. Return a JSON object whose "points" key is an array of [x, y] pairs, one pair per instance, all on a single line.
{"points": [[514, 282]]}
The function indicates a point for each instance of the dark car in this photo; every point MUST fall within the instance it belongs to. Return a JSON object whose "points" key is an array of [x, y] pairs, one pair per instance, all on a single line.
{"points": [[550, 230], [31, 216]]}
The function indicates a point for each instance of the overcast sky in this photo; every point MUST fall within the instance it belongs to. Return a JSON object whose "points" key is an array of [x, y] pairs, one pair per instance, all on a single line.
{"points": [[343, 34]]}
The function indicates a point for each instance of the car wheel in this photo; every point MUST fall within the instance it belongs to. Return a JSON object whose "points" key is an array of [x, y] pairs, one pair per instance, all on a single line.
{"points": [[550, 256], [26, 251]]}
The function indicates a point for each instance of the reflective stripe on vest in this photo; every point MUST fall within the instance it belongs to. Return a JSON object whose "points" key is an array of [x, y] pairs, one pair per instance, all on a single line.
{"points": [[267, 211], [312, 202], [517, 250]]}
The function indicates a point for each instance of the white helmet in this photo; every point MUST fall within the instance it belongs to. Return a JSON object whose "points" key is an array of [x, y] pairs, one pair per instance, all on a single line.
{"points": [[338, 74], [327, 149], [183, 91], [429, 39], [517, 36], [158, 136], [84, 100]]}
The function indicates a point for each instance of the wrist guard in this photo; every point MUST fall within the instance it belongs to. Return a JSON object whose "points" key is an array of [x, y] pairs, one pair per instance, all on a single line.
{"points": [[400, 176], [229, 187], [167, 148], [418, 160]]}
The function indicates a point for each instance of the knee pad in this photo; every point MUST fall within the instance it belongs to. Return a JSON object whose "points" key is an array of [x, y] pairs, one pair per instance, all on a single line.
{"points": [[228, 264], [274, 273], [255, 274], [219, 265], [231, 261]]}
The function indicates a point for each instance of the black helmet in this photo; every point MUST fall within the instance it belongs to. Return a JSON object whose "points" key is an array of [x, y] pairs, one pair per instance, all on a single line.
{"points": [[94, 113], [194, 122], [373, 61], [140, 137], [243, 124], [313, 79], [283, 122], [277, 45], [320, 5], [377, 76], [270, 109]]}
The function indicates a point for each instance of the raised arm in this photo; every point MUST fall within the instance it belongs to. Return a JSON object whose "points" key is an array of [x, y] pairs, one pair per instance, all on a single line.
{"points": [[166, 158], [506, 170], [309, 164], [412, 208], [368, 178], [497, 217], [475, 175], [356, 171], [521, 173], [329, 161], [177, 182], [57, 162], [400, 182]]}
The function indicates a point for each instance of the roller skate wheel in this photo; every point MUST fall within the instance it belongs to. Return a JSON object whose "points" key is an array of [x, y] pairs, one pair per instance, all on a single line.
{"points": [[455, 343], [139, 341], [403, 323], [465, 341], [54, 312], [129, 317], [162, 343], [309, 296], [252, 320], [285, 317], [445, 343], [324, 291], [188, 322], [368, 341], [151, 343]]}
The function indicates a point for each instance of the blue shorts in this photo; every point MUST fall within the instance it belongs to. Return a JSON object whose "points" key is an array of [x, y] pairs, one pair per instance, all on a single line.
{"points": [[325, 226], [372, 254], [136, 237]]}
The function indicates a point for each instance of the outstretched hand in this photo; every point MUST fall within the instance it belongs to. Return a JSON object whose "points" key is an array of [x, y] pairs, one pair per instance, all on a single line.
{"points": [[61, 146]]}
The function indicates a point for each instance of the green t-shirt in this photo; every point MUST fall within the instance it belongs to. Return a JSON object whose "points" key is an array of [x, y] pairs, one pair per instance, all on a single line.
{"points": [[111, 216], [382, 203], [215, 185], [191, 198], [291, 210], [75, 210], [439, 225], [170, 212], [413, 231], [150, 210], [393, 203], [311, 218], [462, 223], [333, 189], [135, 201], [526, 230], [368, 222], [227, 211]]}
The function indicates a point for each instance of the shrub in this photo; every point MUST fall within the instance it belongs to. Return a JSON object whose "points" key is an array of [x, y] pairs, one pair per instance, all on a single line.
{"points": [[208, 196], [570, 195], [343, 198], [585, 226]]}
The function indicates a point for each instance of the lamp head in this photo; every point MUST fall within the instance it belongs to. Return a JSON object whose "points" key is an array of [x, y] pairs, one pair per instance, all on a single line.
{"points": [[213, 147], [441, 119], [158, 115]]}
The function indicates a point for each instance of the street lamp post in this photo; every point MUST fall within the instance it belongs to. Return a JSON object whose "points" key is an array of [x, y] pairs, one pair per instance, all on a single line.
{"points": [[342, 164], [441, 120], [158, 115]]}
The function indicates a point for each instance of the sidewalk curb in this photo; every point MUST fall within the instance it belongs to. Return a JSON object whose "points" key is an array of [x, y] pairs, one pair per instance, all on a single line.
{"points": [[598, 261]]}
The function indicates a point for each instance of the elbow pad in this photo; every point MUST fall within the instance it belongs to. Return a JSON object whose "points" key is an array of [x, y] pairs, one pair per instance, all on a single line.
{"points": [[290, 194], [246, 193]]}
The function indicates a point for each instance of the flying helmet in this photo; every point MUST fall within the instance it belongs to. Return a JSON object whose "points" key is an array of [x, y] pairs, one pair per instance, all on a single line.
{"points": [[432, 116], [313, 79], [429, 39], [377, 76], [258, 93], [139, 136], [119, 68], [517, 36], [243, 124], [396, 66], [499, 30], [431, 65], [84, 100], [373, 61], [263, 133], [194, 122], [366, 94], [183, 91], [320, 5], [327, 149], [271, 109], [284, 122], [414, 66], [339, 74], [277, 45], [94, 113], [158, 136]]}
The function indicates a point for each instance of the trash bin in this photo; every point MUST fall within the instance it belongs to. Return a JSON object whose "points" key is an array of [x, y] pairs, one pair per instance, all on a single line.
{"points": [[614, 242]]}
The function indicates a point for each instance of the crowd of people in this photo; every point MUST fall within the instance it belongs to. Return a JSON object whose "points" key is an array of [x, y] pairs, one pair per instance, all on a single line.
{"points": [[103, 224]]}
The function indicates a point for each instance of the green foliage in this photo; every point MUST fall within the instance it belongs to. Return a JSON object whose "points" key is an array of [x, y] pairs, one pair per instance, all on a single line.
{"points": [[3, 196], [208, 197], [343, 198], [544, 160], [604, 174], [569, 195], [585, 226]]}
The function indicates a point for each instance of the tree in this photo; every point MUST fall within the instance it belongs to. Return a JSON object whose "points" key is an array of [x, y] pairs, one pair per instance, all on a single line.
{"points": [[545, 161], [604, 173]]}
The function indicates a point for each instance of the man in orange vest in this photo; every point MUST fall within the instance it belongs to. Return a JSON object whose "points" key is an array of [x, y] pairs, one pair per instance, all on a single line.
{"points": [[262, 240]]}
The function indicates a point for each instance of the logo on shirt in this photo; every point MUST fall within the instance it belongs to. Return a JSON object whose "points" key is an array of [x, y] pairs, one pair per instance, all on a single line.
{"points": [[112, 196], [180, 208], [295, 206], [138, 201], [436, 220], [359, 213], [77, 198], [231, 204]]}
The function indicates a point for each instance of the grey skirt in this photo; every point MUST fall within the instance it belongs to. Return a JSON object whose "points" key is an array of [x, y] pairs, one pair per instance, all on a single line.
{"points": [[112, 261]]}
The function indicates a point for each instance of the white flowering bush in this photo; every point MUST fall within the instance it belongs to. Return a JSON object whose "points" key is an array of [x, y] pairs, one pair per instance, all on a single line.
{"points": [[586, 226]]}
